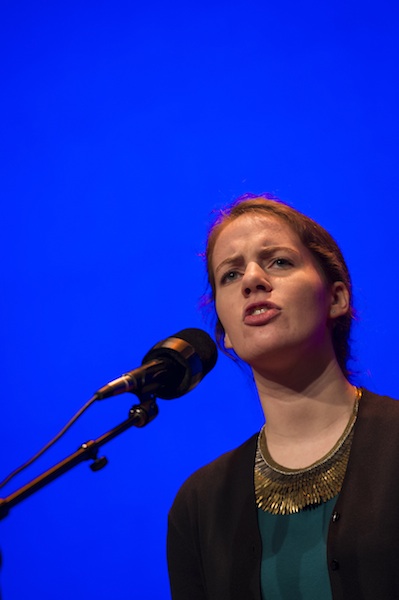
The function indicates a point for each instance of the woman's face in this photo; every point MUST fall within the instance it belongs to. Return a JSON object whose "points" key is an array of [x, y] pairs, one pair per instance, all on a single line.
{"points": [[271, 295]]}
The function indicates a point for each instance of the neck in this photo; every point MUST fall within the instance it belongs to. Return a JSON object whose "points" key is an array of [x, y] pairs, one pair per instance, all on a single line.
{"points": [[305, 405]]}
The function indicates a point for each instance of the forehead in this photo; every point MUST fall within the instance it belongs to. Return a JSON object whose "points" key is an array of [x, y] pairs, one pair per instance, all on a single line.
{"points": [[252, 229]]}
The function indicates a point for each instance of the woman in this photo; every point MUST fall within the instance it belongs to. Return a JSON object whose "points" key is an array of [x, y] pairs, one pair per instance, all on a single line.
{"points": [[306, 509]]}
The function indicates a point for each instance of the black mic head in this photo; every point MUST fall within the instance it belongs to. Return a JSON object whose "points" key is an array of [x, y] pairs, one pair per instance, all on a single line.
{"points": [[190, 354]]}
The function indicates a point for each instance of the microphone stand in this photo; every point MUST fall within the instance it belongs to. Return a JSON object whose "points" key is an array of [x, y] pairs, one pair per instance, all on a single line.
{"points": [[139, 416]]}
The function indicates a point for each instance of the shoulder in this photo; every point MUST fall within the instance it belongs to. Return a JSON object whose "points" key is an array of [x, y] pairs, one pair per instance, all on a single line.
{"points": [[227, 475], [376, 434], [379, 408]]}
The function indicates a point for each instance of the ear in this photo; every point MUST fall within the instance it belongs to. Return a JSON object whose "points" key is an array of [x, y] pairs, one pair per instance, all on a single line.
{"points": [[227, 343], [340, 300]]}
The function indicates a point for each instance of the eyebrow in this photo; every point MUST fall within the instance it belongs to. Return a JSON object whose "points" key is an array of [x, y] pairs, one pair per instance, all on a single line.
{"points": [[236, 258], [266, 250]]}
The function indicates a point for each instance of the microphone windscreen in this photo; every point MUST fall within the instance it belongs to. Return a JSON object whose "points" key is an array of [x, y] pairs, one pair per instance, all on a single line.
{"points": [[204, 346], [190, 354]]}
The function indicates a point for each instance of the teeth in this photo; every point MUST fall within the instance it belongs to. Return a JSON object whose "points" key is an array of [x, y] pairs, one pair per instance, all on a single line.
{"points": [[259, 311]]}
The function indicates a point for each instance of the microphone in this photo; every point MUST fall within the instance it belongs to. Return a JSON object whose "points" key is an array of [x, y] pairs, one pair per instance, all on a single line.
{"points": [[170, 369]]}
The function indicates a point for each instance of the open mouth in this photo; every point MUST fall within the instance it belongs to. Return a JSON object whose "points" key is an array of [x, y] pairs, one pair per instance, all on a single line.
{"points": [[261, 312], [258, 311]]}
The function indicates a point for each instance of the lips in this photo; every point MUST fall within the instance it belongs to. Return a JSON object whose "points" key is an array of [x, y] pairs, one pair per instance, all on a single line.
{"points": [[260, 313]]}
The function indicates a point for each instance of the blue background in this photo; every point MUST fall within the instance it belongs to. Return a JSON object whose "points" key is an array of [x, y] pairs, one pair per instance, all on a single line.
{"points": [[123, 126]]}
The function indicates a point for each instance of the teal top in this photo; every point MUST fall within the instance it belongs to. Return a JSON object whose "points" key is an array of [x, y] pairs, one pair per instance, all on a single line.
{"points": [[294, 554]]}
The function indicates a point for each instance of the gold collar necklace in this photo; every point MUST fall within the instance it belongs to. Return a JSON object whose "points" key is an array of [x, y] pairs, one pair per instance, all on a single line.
{"points": [[282, 491]]}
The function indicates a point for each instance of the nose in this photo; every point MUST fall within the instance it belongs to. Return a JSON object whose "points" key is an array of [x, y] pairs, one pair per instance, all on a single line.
{"points": [[255, 279]]}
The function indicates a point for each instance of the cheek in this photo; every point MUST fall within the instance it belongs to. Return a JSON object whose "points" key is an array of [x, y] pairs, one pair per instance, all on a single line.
{"points": [[220, 307], [224, 312], [314, 300], [315, 308]]}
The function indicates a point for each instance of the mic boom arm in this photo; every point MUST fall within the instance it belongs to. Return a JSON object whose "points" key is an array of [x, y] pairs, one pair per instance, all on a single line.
{"points": [[170, 369], [139, 416]]}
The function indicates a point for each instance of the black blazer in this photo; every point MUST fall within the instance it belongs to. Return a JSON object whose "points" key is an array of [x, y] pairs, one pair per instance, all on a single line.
{"points": [[214, 545]]}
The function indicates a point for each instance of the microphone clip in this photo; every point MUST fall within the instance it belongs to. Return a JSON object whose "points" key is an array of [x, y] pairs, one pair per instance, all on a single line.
{"points": [[145, 412]]}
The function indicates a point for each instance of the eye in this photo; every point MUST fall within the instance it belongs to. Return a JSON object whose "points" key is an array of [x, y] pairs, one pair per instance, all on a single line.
{"points": [[282, 263], [228, 277]]}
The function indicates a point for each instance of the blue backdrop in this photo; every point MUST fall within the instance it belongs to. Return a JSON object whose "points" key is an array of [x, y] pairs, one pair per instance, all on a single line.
{"points": [[124, 125]]}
